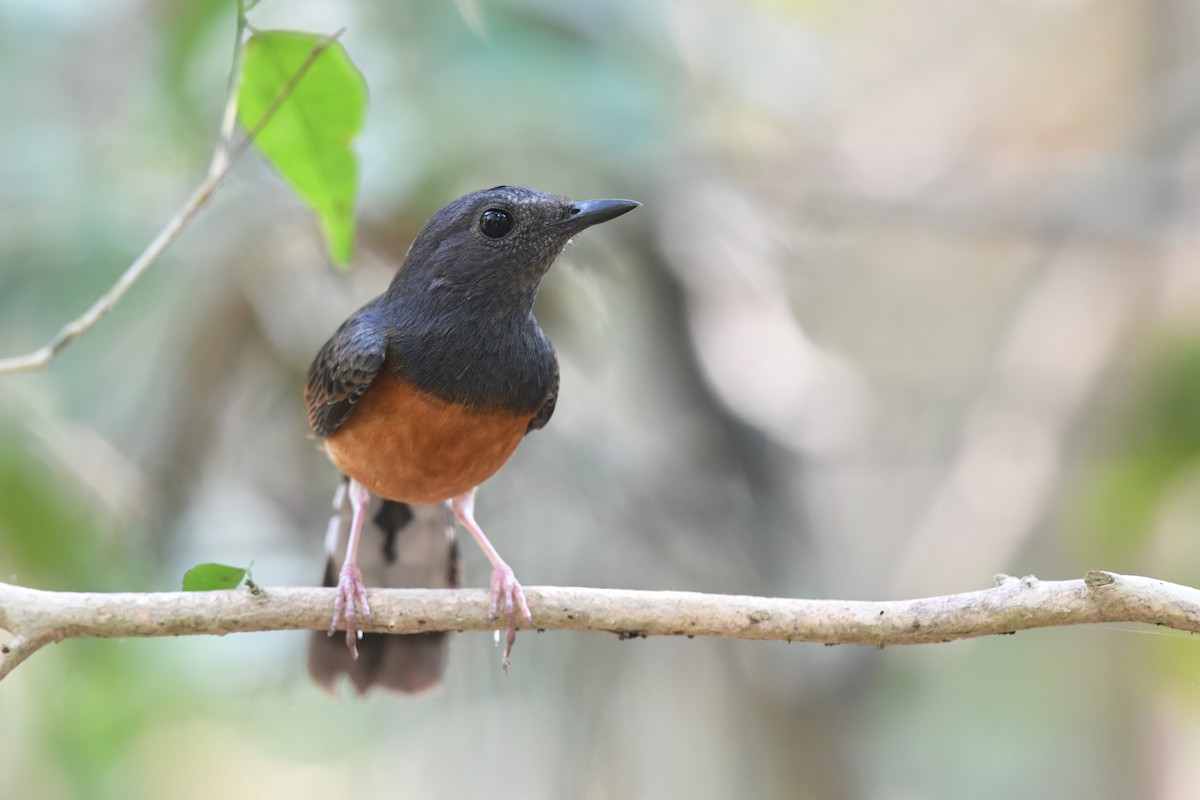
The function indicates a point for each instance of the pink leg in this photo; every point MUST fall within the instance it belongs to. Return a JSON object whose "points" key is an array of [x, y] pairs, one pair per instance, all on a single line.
{"points": [[352, 594], [504, 582]]}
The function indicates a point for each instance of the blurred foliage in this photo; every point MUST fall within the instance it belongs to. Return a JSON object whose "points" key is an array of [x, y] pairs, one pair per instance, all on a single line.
{"points": [[75, 534], [1157, 453], [912, 300]]}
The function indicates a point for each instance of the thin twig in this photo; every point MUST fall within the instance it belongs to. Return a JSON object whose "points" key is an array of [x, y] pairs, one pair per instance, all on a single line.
{"points": [[224, 157], [229, 117], [36, 617], [19, 648]]}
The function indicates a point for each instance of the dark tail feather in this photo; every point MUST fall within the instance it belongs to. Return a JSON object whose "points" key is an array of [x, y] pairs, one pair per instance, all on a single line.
{"points": [[402, 546]]}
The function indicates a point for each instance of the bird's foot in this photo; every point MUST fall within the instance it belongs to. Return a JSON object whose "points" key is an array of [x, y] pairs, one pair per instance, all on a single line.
{"points": [[351, 601], [507, 593]]}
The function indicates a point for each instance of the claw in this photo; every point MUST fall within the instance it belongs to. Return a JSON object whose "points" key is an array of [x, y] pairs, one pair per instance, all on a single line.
{"points": [[351, 592], [351, 599], [505, 584]]}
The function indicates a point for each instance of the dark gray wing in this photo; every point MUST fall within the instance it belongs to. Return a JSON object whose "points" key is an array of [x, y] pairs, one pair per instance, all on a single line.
{"points": [[343, 370], [547, 410]]}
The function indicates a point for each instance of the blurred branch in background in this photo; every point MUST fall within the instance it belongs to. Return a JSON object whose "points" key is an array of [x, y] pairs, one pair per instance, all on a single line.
{"points": [[37, 618], [224, 157]]}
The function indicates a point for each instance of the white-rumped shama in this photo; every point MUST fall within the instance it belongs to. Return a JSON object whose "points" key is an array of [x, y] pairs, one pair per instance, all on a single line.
{"points": [[425, 392]]}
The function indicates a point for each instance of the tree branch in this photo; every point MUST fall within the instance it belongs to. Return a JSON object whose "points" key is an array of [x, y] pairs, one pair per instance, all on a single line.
{"points": [[224, 157], [36, 618]]}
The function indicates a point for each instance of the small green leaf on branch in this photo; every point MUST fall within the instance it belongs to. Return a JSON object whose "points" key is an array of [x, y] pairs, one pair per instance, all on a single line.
{"points": [[212, 577]]}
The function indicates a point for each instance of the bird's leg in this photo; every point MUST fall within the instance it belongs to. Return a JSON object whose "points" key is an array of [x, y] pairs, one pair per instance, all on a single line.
{"points": [[352, 594], [504, 582]]}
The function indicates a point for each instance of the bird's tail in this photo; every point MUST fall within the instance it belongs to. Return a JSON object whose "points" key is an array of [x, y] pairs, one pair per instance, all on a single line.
{"points": [[403, 546]]}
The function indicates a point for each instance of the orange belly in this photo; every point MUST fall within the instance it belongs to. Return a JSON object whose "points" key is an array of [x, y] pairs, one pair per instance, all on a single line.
{"points": [[405, 445]]}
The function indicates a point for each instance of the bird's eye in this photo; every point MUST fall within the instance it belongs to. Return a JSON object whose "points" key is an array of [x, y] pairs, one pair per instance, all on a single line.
{"points": [[495, 223]]}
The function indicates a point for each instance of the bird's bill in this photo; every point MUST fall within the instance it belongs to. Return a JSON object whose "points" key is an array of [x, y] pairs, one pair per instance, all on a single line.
{"points": [[587, 213]]}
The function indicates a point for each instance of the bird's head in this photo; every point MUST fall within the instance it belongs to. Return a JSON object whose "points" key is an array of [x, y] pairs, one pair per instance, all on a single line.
{"points": [[489, 250]]}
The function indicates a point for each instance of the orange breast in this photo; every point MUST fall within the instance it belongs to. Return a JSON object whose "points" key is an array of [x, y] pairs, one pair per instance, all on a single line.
{"points": [[405, 445]]}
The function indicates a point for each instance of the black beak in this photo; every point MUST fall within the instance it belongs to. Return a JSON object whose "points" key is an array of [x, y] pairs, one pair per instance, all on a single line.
{"points": [[587, 213]]}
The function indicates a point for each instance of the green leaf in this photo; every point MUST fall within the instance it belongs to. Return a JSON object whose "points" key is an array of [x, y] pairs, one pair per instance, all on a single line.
{"points": [[210, 577], [309, 135]]}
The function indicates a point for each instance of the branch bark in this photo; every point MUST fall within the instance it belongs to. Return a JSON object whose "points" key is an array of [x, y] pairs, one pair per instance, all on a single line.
{"points": [[36, 618]]}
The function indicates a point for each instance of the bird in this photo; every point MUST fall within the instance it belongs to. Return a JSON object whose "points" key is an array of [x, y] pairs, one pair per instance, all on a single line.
{"points": [[425, 392], [403, 545]]}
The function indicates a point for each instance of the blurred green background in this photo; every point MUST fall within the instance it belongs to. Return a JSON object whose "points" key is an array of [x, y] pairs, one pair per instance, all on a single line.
{"points": [[914, 299]]}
